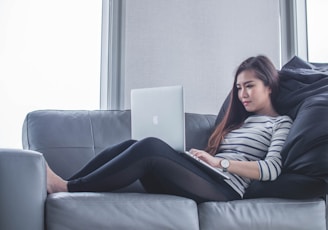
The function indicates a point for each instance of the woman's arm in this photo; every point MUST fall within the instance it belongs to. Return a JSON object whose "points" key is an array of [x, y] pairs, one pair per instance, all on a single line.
{"points": [[266, 169], [249, 169], [270, 168]]}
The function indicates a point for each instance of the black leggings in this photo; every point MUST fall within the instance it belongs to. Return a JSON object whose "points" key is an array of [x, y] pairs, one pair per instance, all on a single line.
{"points": [[159, 168]]}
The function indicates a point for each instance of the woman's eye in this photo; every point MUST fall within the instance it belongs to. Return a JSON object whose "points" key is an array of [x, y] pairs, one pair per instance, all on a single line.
{"points": [[249, 86]]}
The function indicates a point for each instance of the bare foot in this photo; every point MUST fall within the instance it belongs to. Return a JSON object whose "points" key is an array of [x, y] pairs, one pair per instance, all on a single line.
{"points": [[54, 182]]}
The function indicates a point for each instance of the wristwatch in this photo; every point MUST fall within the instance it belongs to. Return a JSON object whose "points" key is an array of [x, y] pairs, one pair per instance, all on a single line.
{"points": [[225, 165]]}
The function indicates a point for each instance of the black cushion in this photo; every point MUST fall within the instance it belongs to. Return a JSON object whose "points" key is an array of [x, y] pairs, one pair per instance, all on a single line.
{"points": [[304, 97], [289, 186]]}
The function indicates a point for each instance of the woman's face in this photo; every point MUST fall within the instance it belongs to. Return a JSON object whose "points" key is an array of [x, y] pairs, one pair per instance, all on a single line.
{"points": [[253, 94]]}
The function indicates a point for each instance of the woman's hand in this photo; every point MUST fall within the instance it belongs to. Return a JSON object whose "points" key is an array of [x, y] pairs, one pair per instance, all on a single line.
{"points": [[208, 158]]}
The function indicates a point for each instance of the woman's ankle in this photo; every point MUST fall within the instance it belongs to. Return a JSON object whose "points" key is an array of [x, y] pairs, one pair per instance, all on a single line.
{"points": [[55, 183]]}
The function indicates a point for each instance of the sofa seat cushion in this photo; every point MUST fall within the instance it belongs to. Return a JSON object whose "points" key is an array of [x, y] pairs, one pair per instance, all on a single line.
{"points": [[266, 213], [119, 211]]}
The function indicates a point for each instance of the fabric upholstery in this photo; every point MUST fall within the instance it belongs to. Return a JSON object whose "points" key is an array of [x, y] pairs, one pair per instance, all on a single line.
{"points": [[289, 186], [304, 97]]}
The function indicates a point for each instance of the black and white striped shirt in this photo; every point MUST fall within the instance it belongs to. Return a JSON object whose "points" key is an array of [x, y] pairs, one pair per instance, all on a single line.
{"points": [[260, 139]]}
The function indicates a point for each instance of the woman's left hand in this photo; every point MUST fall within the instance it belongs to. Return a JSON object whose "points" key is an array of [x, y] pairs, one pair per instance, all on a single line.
{"points": [[208, 158]]}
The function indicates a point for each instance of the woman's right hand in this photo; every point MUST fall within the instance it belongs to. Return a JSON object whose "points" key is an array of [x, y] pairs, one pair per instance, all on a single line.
{"points": [[208, 158]]}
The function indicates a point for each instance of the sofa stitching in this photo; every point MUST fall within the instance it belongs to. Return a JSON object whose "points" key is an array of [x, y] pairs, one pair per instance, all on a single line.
{"points": [[92, 134]]}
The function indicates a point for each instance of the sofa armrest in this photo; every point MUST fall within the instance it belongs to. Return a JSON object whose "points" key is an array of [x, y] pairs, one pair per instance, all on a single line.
{"points": [[22, 189]]}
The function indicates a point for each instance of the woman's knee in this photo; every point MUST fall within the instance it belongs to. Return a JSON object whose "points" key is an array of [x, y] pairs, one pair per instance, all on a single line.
{"points": [[152, 141], [153, 144]]}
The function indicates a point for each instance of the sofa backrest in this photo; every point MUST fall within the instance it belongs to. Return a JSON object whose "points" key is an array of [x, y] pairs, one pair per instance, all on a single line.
{"points": [[70, 138]]}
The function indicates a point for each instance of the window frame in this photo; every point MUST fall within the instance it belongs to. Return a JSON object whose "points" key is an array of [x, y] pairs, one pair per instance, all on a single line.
{"points": [[112, 55], [294, 39]]}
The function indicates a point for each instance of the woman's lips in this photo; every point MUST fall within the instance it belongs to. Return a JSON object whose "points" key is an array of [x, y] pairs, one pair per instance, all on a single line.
{"points": [[246, 103]]}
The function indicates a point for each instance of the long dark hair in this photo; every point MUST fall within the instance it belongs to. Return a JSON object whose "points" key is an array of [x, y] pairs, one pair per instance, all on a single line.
{"points": [[236, 112]]}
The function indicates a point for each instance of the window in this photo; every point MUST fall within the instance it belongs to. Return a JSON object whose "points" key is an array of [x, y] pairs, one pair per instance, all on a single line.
{"points": [[49, 59], [317, 19]]}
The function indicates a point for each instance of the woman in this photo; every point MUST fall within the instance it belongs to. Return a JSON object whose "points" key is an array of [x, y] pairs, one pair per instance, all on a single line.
{"points": [[246, 144]]}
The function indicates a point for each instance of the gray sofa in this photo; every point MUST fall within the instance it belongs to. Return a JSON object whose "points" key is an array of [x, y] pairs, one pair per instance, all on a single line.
{"points": [[68, 139]]}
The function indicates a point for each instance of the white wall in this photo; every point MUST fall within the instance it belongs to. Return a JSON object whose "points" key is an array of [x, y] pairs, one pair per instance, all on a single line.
{"points": [[197, 44]]}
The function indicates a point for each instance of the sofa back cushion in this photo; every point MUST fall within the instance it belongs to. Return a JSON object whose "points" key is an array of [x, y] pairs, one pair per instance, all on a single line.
{"points": [[68, 139]]}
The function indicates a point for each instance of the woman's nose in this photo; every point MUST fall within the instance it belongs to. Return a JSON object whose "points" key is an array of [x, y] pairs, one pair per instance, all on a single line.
{"points": [[243, 93]]}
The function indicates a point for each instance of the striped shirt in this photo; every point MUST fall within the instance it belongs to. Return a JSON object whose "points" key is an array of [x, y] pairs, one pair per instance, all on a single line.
{"points": [[260, 139]]}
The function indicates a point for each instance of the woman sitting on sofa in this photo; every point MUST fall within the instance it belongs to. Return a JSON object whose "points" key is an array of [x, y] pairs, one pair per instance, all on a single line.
{"points": [[246, 144]]}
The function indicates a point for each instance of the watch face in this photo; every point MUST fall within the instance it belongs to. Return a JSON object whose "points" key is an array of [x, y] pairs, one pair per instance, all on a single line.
{"points": [[225, 163]]}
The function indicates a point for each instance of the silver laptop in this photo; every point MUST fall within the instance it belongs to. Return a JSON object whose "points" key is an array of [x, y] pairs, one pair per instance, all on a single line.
{"points": [[159, 112]]}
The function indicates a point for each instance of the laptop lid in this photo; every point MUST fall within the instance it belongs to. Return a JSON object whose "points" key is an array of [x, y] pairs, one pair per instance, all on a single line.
{"points": [[159, 112]]}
